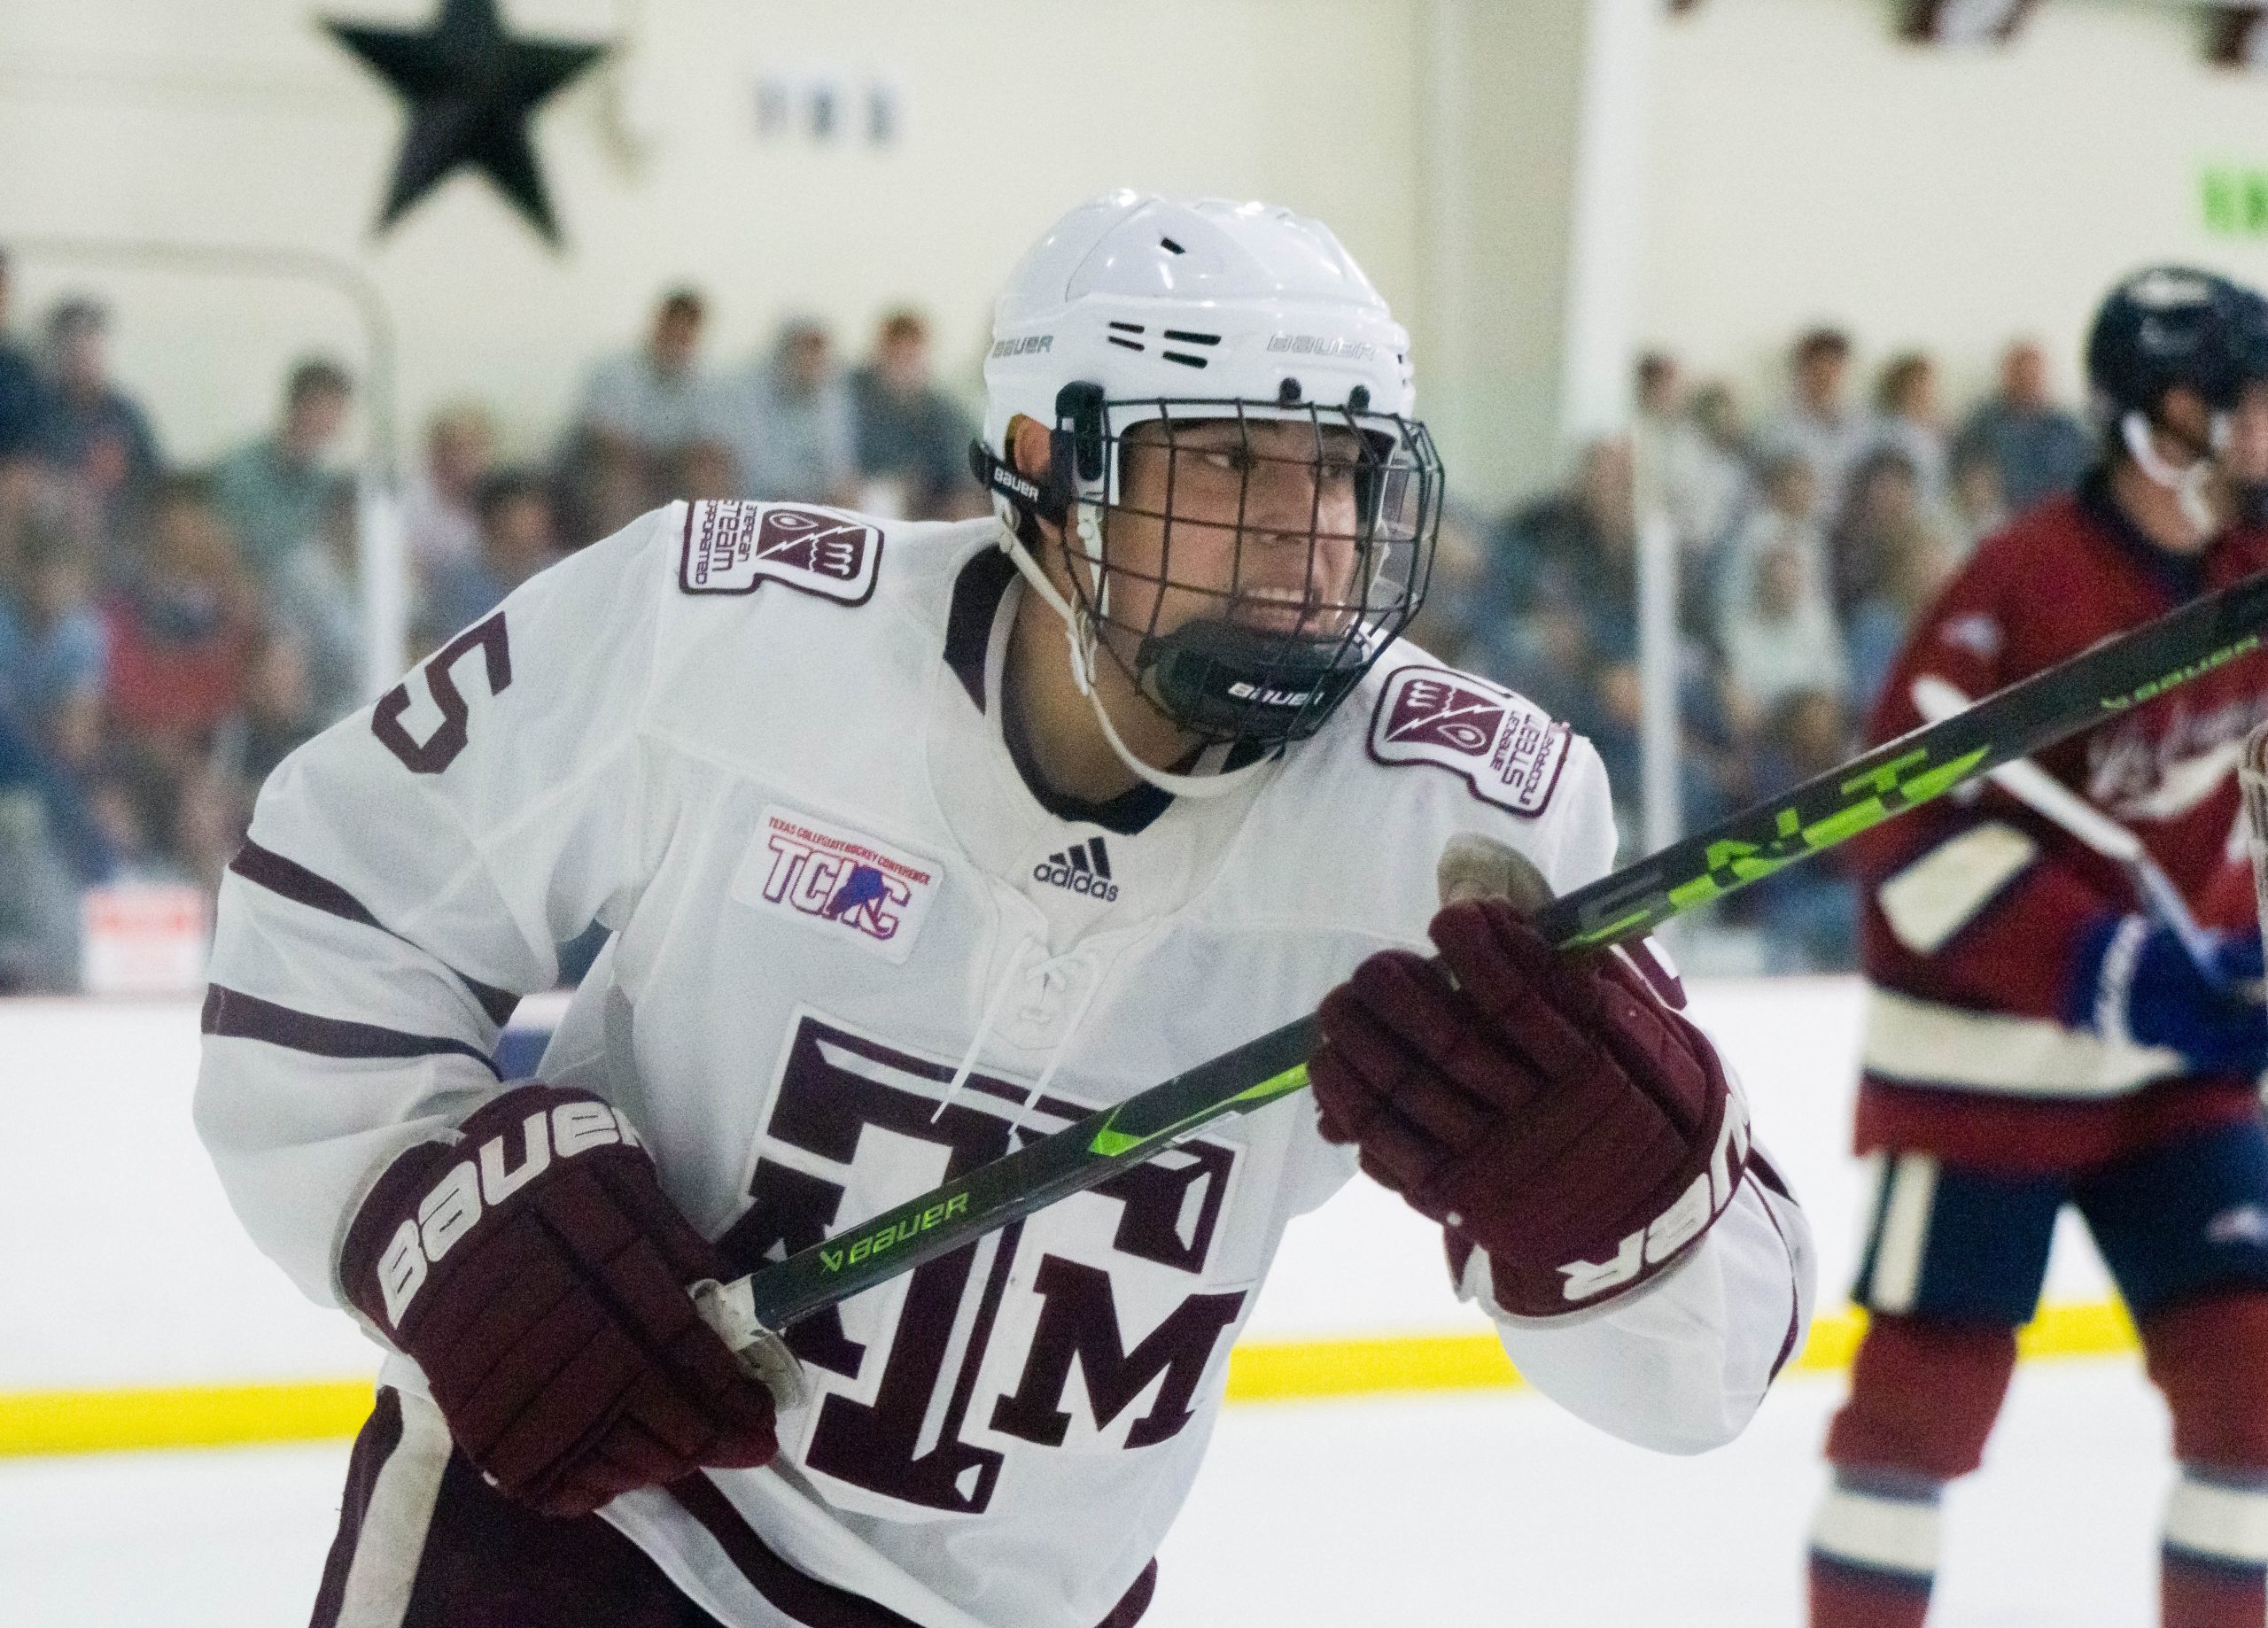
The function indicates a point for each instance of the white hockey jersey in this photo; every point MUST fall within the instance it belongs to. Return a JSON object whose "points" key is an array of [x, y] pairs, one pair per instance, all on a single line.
{"points": [[761, 744]]}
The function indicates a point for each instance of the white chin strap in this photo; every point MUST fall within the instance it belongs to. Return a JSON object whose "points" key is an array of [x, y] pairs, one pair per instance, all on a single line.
{"points": [[2189, 484], [1079, 634], [1090, 530]]}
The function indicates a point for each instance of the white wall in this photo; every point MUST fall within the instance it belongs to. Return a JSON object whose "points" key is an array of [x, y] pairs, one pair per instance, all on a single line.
{"points": [[1809, 166], [120, 1263], [237, 122], [1803, 163], [1496, 172]]}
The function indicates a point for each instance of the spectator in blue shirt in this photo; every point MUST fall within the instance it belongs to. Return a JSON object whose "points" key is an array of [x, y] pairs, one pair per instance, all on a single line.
{"points": [[312, 604], [89, 429], [54, 649], [645, 431], [788, 422], [2040, 449], [517, 540], [913, 441], [20, 384], [39, 892], [274, 491]]}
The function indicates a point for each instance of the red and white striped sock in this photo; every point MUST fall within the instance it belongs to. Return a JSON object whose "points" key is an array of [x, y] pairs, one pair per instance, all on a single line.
{"points": [[2213, 1571], [1873, 1551]]}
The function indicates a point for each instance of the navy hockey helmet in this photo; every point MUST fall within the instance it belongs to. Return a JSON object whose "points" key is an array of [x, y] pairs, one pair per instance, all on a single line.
{"points": [[2171, 328]]}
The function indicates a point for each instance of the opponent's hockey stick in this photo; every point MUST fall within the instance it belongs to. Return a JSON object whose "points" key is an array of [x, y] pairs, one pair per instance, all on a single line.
{"points": [[2014, 722], [2252, 786], [2048, 797]]}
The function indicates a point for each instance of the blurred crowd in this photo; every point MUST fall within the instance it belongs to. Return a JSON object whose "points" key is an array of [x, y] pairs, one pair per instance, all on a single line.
{"points": [[167, 634], [1805, 540]]}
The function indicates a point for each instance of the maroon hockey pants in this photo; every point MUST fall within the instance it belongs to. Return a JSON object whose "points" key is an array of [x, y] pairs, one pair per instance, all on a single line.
{"points": [[425, 1543]]}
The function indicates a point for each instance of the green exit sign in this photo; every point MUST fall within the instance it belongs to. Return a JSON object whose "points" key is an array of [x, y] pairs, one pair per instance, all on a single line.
{"points": [[2236, 201]]}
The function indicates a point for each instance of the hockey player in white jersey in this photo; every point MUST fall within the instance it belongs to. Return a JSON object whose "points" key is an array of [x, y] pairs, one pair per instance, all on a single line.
{"points": [[912, 839]]}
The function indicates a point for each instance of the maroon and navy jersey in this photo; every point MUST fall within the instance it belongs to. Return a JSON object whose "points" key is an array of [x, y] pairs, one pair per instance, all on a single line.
{"points": [[1974, 906]]}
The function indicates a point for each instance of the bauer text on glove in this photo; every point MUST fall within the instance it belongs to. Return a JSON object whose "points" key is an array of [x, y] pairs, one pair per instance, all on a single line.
{"points": [[537, 1273]]}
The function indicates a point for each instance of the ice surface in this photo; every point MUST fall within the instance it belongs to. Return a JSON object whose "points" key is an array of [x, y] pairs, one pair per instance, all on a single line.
{"points": [[1438, 1512], [1441, 1511]]}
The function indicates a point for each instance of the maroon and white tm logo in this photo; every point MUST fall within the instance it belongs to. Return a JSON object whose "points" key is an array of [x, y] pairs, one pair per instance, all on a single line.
{"points": [[735, 547], [1506, 749], [1097, 1325]]}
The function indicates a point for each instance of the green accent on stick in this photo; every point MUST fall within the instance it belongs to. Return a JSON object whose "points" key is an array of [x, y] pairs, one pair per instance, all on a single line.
{"points": [[2181, 675], [1110, 1143]]}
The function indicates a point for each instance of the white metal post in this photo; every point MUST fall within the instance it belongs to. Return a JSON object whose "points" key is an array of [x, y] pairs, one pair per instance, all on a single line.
{"points": [[1607, 235], [381, 561], [1605, 247], [1658, 680], [1446, 113]]}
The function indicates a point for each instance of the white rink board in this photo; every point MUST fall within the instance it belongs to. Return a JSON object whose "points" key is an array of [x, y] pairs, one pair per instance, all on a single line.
{"points": [[123, 1264]]}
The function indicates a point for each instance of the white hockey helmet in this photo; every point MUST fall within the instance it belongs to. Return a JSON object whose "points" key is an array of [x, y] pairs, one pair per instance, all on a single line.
{"points": [[1135, 308], [1157, 298]]}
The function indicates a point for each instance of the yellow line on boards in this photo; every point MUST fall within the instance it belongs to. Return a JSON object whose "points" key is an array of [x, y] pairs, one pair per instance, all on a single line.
{"points": [[40, 1422], [1298, 1370], [1291, 1370], [34, 1422]]}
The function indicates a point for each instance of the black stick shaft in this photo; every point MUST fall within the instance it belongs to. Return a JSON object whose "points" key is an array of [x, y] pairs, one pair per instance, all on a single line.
{"points": [[2013, 722]]}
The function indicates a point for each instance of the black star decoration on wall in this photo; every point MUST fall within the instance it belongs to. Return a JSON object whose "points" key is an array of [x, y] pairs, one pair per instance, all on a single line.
{"points": [[472, 87]]}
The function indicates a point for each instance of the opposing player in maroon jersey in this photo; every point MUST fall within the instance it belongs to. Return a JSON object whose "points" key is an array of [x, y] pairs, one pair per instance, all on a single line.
{"points": [[2037, 1037]]}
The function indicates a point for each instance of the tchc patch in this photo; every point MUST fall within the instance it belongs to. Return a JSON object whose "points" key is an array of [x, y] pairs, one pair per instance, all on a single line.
{"points": [[837, 880], [1508, 752], [735, 547]]}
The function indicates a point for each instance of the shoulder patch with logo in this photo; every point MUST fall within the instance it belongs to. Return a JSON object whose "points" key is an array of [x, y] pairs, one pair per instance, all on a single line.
{"points": [[1507, 750], [838, 880], [736, 547]]}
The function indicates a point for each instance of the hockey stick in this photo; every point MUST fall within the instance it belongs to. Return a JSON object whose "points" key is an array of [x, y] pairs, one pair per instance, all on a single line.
{"points": [[1922, 764], [2252, 785]]}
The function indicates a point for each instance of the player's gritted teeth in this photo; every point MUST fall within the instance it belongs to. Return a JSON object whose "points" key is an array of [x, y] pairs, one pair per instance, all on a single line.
{"points": [[1273, 611]]}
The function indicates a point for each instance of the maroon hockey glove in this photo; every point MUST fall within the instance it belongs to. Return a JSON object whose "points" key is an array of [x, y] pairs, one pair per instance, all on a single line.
{"points": [[1553, 1112], [537, 1273]]}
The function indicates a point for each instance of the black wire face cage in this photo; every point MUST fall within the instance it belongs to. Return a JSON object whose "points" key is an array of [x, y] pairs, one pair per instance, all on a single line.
{"points": [[1254, 557]]}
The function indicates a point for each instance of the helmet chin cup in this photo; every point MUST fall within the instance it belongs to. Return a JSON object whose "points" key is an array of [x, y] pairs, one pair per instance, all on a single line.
{"points": [[1222, 680], [2189, 482], [1079, 633]]}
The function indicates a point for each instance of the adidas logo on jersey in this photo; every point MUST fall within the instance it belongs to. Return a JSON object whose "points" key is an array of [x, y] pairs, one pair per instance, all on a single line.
{"points": [[1081, 868]]}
